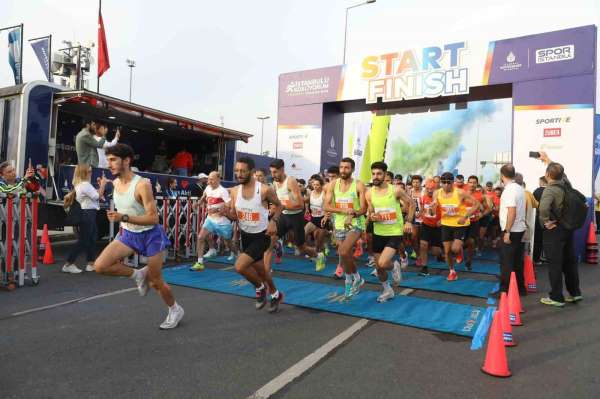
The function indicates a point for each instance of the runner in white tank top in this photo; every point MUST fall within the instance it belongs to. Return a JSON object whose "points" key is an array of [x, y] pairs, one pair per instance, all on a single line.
{"points": [[137, 213], [317, 217], [250, 200]]}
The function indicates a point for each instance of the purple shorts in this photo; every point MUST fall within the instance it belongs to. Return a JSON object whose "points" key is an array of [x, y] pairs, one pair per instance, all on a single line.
{"points": [[147, 243]]}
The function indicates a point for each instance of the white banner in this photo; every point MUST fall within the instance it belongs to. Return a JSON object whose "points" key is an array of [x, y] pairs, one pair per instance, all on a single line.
{"points": [[300, 149]]}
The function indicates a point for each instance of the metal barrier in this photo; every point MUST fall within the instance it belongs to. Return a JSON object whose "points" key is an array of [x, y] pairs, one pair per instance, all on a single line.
{"points": [[18, 244]]}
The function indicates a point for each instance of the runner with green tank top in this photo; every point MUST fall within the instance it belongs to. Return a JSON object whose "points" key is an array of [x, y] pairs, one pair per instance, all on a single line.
{"points": [[383, 202], [345, 197]]}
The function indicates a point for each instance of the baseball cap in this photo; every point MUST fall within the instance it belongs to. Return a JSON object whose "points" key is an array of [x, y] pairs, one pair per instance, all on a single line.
{"points": [[202, 176]]}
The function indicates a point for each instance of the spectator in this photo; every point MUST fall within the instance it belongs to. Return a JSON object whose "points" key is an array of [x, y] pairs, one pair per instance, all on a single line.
{"points": [[538, 242], [558, 240], [182, 163], [86, 146], [88, 198], [530, 204], [171, 190], [198, 189], [101, 130], [398, 179], [9, 183], [513, 226]]}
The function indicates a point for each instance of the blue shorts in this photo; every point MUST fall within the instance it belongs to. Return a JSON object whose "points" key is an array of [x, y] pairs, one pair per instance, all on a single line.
{"points": [[224, 230], [147, 243]]}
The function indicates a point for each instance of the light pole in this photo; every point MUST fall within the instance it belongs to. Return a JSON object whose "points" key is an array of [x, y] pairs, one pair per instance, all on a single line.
{"points": [[131, 65], [346, 26], [262, 130]]}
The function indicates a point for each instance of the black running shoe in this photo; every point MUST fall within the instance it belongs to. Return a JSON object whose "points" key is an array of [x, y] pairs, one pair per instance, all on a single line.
{"points": [[261, 298], [274, 304], [468, 265], [424, 271]]}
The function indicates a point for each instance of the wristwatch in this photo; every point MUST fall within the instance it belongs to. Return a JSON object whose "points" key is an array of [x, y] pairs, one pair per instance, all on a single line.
{"points": [[125, 218]]}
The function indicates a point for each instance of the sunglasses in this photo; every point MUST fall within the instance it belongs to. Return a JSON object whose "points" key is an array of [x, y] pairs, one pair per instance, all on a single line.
{"points": [[446, 181]]}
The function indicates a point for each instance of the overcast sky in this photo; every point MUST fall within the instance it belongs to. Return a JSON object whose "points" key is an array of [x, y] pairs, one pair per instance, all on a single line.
{"points": [[207, 59]]}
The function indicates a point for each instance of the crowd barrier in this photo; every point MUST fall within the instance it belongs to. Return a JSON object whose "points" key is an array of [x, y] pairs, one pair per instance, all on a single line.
{"points": [[19, 241]]}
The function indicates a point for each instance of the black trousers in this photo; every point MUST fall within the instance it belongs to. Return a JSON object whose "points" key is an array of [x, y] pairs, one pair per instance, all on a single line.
{"points": [[538, 243], [511, 260], [558, 248]]}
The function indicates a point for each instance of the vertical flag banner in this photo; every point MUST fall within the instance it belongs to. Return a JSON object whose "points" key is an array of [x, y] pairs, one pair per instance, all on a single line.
{"points": [[14, 54], [103, 61], [41, 48]]}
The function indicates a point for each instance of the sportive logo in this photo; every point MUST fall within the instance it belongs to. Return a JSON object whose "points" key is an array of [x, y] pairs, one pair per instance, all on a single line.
{"points": [[552, 132], [331, 151], [308, 87], [554, 54], [511, 63], [549, 121]]}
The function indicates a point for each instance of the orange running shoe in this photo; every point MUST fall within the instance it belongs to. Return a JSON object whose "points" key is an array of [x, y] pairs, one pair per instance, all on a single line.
{"points": [[453, 276]]}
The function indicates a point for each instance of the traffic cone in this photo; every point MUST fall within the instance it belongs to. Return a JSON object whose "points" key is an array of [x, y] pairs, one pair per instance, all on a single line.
{"points": [[45, 238], [514, 302], [591, 247], [504, 317], [529, 274], [48, 254], [495, 363], [592, 235]]}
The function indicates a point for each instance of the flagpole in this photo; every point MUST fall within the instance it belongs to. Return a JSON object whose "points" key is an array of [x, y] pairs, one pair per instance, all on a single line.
{"points": [[21, 61], [98, 46]]}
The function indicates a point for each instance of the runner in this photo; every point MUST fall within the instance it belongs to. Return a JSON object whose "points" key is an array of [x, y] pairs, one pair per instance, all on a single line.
{"points": [[345, 197], [416, 193], [455, 220], [333, 172], [383, 201], [431, 236], [217, 200], [249, 201], [317, 215], [138, 216], [292, 218], [460, 182], [260, 176], [478, 212]]}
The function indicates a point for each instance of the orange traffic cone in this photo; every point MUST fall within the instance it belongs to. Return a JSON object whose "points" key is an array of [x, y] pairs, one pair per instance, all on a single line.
{"points": [[504, 317], [514, 302], [48, 254], [529, 274], [495, 363], [592, 235], [44, 239]]}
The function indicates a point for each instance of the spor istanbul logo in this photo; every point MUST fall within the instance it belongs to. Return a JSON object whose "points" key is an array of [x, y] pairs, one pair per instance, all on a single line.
{"points": [[511, 64], [331, 151]]}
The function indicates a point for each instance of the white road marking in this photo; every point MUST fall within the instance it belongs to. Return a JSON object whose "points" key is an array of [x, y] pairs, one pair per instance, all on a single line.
{"points": [[228, 268], [108, 294]]}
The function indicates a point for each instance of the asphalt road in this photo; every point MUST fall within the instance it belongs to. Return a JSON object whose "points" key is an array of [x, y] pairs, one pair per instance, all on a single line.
{"points": [[109, 346]]}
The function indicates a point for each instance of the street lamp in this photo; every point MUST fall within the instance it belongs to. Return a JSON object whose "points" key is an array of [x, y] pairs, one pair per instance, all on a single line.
{"points": [[346, 26], [131, 65], [262, 130]]}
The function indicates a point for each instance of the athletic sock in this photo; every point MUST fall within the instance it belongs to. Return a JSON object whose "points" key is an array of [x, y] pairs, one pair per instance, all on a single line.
{"points": [[201, 259], [356, 276], [348, 278], [262, 287], [135, 274], [275, 295], [386, 285], [173, 307]]}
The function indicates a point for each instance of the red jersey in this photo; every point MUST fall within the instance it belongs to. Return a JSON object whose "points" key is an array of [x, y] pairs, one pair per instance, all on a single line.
{"points": [[431, 221], [479, 197]]}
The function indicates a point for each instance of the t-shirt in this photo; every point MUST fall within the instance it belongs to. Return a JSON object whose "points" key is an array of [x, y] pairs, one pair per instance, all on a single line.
{"points": [[216, 198], [513, 196], [87, 196]]}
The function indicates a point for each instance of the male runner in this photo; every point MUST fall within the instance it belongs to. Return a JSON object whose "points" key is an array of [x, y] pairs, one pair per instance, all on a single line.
{"points": [[292, 218], [430, 235], [249, 202], [137, 213], [460, 182], [479, 218], [383, 201], [455, 219], [217, 199], [333, 172], [416, 193], [345, 197]]}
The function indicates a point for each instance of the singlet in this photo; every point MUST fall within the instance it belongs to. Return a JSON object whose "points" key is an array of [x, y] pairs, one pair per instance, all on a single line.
{"points": [[418, 206], [477, 214], [431, 221], [253, 217], [126, 204], [388, 206], [284, 194], [316, 205], [347, 200], [452, 209], [216, 198]]}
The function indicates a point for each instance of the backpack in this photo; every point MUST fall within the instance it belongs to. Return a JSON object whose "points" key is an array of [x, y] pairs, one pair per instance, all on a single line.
{"points": [[72, 210], [575, 208]]}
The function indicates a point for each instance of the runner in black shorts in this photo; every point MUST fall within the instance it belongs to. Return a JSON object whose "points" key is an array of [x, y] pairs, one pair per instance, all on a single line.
{"points": [[317, 217], [430, 235]]}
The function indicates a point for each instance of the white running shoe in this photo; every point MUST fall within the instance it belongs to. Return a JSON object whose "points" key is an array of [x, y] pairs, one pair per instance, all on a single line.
{"points": [[386, 295], [90, 268], [404, 261], [211, 253], [173, 318], [297, 252], [396, 274], [232, 256], [141, 281], [71, 268]]}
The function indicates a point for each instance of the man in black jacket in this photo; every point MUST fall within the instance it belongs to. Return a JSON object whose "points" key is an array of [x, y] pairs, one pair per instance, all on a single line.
{"points": [[538, 236]]}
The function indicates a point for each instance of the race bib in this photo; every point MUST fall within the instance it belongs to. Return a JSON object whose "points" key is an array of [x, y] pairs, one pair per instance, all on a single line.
{"points": [[344, 203], [316, 211], [450, 209], [248, 216], [387, 215]]}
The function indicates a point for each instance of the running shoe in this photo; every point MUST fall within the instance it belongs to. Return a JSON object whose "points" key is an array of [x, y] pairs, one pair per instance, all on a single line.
{"points": [[551, 302], [371, 261], [297, 252], [374, 272], [339, 272], [141, 281], [459, 257], [424, 271], [326, 250], [211, 253], [320, 264], [173, 318], [573, 299], [356, 285], [71, 268], [198, 266], [261, 298], [404, 261], [274, 303], [232, 256], [396, 274], [90, 267], [418, 263], [413, 255], [357, 251], [386, 295], [348, 290], [452, 276], [469, 265], [290, 245]]}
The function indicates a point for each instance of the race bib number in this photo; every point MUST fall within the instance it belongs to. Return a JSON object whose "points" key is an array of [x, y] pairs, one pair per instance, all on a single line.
{"points": [[316, 211], [450, 209], [344, 203], [248, 216], [387, 215]]}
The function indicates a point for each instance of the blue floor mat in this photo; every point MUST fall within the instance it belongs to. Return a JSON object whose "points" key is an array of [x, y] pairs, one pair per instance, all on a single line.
{"points": [[467, 287], [478, 267], [416, 312]]}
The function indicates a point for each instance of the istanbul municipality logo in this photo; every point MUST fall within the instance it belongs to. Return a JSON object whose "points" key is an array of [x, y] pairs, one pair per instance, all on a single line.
{"points": [[511, 63], [331, 151]]}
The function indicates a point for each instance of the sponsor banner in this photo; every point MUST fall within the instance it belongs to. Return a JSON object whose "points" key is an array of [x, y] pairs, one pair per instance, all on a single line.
{"points": [[15, 57], [309, 87], [41, 48], [300, 148], [564, 132]]}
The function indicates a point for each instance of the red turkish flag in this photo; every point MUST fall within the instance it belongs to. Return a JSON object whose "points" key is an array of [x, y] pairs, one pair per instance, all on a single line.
{"points": [[103, 62]]}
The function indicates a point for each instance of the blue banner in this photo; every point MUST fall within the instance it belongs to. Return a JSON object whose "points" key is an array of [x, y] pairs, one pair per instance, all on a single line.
{"points": [[14, 54], [41, 48]]}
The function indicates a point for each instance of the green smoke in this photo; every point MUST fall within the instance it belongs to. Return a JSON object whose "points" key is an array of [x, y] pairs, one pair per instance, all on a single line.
{"points": [[423, 157]]}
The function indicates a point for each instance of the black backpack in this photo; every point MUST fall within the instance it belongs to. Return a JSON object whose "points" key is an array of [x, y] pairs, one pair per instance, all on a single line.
{"points": [[74, 214], [575, 208]]}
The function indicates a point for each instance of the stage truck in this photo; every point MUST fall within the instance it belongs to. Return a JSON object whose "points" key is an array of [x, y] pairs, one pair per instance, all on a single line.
{"points": [[39, 121]]}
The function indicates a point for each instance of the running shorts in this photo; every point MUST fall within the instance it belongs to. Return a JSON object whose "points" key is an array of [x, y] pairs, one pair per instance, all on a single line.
{"points": [[294, 223], [450, 233], [432, 235], [380, 242], [473, 230], [224, 230], [146, 243], [255, 244]]}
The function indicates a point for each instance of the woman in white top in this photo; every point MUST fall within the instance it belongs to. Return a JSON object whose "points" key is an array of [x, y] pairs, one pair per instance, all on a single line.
{"points": [[88, 198], [318, 222]]}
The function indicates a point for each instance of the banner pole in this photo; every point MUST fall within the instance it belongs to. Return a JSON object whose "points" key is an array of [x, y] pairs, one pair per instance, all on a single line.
{"points": [[97, 74], [21, 60], [50, 79]]}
